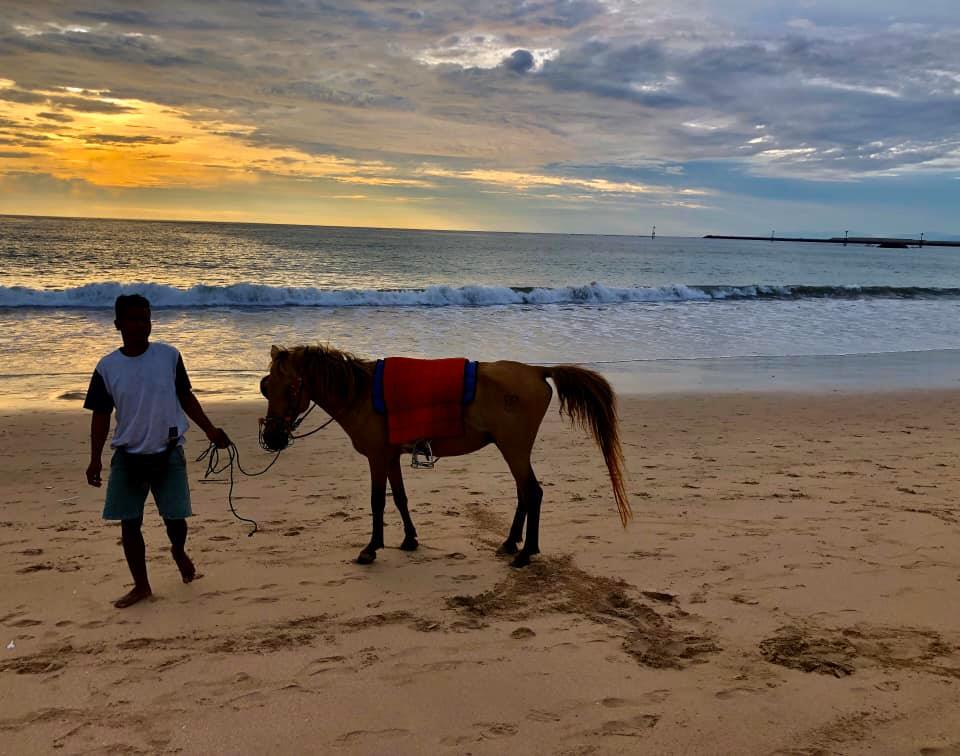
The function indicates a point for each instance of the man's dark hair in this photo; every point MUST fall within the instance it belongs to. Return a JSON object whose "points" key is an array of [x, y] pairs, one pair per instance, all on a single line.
{"points": [[129, 301]]}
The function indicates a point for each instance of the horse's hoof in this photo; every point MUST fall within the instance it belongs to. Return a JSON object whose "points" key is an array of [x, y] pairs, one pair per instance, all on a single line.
{"points": [[409, 544], [366, 557], [521, 560], [508, 547]]}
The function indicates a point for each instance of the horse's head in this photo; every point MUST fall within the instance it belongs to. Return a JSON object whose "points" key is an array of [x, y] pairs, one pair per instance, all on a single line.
{"points": [[287, 398]]}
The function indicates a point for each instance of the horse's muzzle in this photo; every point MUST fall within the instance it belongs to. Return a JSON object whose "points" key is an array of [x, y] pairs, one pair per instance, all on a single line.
{"points": [[274, 436]]}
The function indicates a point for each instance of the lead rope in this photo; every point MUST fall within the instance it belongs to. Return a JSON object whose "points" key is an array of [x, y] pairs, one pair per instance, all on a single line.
{"points": [[212, 455]]}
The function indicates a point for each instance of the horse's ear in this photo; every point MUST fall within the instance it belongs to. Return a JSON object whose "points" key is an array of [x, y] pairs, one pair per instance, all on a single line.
{"points": [[274, 351]]}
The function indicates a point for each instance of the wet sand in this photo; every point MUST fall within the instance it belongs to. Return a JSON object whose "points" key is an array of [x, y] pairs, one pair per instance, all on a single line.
{"points": [[788, 585]]}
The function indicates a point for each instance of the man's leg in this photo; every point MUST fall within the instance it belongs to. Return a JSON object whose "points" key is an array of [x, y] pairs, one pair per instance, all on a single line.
{"points": [[124, 501], [135, 550], [177, 532], [172, 493]]}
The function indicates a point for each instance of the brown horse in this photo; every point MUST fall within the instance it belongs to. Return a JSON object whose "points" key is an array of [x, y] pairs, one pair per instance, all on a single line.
{"points": [[511, 400]]}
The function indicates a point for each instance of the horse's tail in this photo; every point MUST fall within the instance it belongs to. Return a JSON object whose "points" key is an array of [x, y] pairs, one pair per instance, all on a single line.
{"points": [[590, 403]]}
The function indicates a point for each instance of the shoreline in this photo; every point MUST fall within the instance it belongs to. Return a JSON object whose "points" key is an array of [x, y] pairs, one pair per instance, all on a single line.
{"points": [[882, 372]]}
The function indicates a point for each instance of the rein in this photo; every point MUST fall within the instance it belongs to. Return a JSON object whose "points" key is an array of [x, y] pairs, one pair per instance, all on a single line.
{"points": [[212, 455]]}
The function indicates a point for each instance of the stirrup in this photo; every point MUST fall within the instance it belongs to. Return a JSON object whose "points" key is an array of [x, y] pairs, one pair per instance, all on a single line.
{"points": [[427, 463]]}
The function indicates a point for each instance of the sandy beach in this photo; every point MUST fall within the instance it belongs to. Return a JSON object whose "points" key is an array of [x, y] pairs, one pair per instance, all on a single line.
{"points": [[788, 585]]}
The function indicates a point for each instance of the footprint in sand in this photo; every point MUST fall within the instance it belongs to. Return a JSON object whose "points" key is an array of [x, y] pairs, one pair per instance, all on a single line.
{"points": [[628, 727], [34, 568], [734, 693], [492, 730], [323, 664], [612, 702], [25, 623], [359, 736], [539, 715], [655, 696], [483, 731]]}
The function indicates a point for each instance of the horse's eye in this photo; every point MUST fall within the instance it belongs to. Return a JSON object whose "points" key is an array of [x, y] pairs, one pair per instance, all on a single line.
{"points": [[263, 386]]}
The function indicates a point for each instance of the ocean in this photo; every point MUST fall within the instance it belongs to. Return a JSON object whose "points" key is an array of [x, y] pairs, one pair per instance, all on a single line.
{"points": [[654, 314]]}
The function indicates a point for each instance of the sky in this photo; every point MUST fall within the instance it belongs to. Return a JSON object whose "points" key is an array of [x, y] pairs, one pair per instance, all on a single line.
{"points": [[572, 116]]}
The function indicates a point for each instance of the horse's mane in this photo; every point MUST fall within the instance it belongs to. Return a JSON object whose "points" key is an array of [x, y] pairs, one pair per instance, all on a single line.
{"points": [[336, 374]]}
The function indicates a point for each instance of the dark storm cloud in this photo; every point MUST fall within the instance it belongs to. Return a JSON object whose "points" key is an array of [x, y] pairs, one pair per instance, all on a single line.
{"points": [[519, 61]]}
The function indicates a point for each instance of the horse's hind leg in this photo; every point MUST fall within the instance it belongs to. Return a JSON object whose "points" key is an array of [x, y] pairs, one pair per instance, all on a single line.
{"points": [[529, 497], [532, 496], [395, 476], [516, 529]]}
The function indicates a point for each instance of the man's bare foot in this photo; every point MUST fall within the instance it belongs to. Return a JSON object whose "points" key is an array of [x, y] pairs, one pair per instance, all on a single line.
{"points": [[137, 594], [187, 571]]}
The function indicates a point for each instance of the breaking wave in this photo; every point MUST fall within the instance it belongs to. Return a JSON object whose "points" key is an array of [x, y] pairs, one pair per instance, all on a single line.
{"points": [[102, 295]]}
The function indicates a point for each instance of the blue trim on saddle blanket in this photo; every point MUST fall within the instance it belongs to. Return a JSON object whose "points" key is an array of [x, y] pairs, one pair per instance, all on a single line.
{"points": [[469, 385]]}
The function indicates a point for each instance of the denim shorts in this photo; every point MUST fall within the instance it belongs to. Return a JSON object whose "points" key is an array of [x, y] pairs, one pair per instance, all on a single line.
{"points": [[127, 490]]}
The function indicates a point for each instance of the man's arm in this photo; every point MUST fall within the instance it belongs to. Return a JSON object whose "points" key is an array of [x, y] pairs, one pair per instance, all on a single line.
{"points": [[99, 401], [191, 405], [99, 428]]}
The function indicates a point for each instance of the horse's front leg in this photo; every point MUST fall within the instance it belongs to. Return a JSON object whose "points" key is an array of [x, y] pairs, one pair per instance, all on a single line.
{"points": [[395, 475], [378, 501]]}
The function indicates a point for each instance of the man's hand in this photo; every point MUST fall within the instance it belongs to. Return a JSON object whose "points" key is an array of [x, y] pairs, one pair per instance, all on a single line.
{"points": [[219, 437], [93, 473]]}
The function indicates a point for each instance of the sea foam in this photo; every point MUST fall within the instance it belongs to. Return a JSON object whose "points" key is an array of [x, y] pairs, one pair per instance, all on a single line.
{"points": [[102, 295]]}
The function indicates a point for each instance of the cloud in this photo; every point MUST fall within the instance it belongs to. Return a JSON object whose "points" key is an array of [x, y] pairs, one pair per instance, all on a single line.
{"points": [[59, 117], [87, 105], [12, 94], [121, 139], [121, 17], [566, 90], [351, 94], [559, 13], [519, 61], [524, 181], [638, 73], [105, 44]]}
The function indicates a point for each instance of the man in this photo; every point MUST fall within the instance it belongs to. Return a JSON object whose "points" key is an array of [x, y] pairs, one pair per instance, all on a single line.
{"points": [[148, 385]]}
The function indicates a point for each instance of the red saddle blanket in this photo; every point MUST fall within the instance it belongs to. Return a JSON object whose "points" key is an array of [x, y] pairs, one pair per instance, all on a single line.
{"points": [[424, 398]]}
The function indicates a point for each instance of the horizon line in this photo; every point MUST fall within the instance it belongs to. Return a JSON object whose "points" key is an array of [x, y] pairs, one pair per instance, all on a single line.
{"points": [[338, 226]]}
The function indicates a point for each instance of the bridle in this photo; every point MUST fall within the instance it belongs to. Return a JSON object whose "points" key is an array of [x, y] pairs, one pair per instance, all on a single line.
{"points": [[289, 423]]}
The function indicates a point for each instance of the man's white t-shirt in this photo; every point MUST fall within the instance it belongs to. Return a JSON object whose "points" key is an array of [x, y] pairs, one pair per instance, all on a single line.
{"points": [[144, 391]]}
